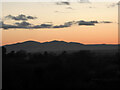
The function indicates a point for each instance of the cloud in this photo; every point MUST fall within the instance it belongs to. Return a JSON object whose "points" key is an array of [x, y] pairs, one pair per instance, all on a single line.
{"points": [[62, 12], [69, 8], [60, 26], [106, 22], [67, 24], [112, 5], [43, 26], [31, 17], [84, 1], [28, 25], [118, 3], [23, 24], [87, 23], [16, 25], [7, 26], [49, 22], [20, 17], [91, 7], [1, 23], [63, 3]]}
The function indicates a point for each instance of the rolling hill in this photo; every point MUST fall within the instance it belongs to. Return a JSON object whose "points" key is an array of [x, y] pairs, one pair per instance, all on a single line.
{"points": [[52, 46]]}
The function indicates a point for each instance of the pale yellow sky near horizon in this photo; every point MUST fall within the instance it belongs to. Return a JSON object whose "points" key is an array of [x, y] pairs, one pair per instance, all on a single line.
{"points": [[46, 12]]}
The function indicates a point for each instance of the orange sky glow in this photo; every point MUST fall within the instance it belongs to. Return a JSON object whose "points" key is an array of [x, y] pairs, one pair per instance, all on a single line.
{"points": [[101, 33]]}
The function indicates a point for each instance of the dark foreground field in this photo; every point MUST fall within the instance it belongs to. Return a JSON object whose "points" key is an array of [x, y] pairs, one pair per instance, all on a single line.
{"points": [[82, 69]]}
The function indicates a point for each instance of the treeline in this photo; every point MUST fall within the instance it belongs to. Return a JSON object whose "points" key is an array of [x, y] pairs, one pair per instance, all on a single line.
{"points": [[82, 69]]}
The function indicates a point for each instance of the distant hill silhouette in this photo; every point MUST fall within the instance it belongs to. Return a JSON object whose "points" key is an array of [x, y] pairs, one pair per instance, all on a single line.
{"points": [[33, 46]]}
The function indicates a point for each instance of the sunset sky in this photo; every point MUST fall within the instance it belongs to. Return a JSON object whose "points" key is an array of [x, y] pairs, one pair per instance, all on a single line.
{"points": [[103, 32]]}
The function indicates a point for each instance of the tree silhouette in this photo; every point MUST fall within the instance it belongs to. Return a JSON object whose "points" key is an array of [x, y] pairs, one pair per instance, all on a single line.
{"points": [[82, 69], [3, 51]]}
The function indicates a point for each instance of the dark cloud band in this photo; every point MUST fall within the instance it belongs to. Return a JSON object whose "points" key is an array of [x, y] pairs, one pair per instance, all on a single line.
{"points": [[25, 24]]}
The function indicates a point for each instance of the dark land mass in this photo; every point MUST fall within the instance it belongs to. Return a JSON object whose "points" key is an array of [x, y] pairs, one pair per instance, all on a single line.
{"points": [[59, 46], [95, 66]]}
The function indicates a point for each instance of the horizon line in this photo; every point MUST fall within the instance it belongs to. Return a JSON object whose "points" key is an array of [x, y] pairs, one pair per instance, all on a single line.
{"points": [[58, 41]]}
